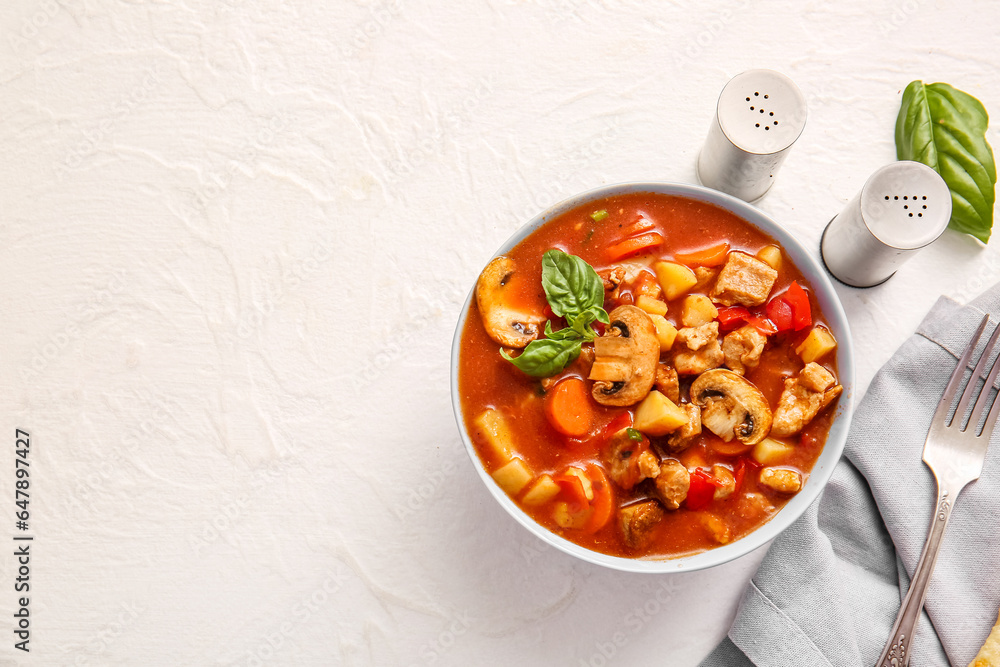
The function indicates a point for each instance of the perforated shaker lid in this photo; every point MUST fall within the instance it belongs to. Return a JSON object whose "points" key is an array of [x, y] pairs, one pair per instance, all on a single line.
{"points": [[906, 204], [762, 111]]}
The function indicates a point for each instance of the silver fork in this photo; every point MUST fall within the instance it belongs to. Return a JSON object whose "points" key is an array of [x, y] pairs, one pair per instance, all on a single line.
{"points": [[954, 451]]}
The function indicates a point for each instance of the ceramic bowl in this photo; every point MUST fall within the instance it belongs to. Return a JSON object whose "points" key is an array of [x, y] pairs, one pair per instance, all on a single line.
{"points": [[807, 262]]}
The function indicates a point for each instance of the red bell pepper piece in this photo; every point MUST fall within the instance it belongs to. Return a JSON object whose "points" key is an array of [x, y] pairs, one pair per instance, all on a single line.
{"points": [[596, 442], [590, 514], [732, 317], [779, 311], [739, 473], [622, 421], [702, 490], [763, 325], [572, 491], [798, 299]]}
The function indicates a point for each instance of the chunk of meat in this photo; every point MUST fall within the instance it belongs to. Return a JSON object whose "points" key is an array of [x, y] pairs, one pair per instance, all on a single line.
{"points": [[754, 506], [744, 280], [638, 521], [630, 461], [682, 438], [672, 483], [717, 528], [697, 349], [802, 398], [704, 275], [743, 348], [782, 480], [696, 338], [694, 363], [667, 382], [816, 378], [727, 481], [612, 279]]}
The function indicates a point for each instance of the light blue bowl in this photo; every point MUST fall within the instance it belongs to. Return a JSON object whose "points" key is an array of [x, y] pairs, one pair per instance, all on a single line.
{"points": [[825, 294]]}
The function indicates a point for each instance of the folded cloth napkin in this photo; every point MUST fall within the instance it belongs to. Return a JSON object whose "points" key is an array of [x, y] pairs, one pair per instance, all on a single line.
{"points": [[830, 586]]}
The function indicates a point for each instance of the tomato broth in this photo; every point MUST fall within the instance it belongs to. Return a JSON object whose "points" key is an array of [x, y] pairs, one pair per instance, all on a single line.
{"points": [[488, 381]]}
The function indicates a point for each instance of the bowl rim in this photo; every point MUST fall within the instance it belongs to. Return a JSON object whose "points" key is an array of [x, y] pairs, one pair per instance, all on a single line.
{"points": [[830, 304]]}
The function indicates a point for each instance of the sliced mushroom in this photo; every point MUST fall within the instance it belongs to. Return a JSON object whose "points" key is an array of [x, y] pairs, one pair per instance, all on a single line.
{"points": [[504, 324], [731, 406], [625, 358]]}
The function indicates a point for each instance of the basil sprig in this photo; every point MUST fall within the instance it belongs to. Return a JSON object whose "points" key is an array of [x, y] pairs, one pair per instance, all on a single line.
{"points": [[945, 129], [574, 292]]}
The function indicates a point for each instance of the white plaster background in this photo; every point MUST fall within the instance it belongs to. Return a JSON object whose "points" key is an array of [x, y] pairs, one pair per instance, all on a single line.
{"points": [[234, 239]]}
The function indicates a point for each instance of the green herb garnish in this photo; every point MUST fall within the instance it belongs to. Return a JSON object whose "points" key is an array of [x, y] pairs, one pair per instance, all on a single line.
{"points": [[633, 434], [945, 129], [599, 216], [574, 292]]}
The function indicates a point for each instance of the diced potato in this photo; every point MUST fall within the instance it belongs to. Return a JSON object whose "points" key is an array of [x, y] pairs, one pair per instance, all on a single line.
{"points": [[675, 279], [497, 434], [651, 306], [819, 342], [658, 415], [770, 451], [541, 491], [665, 332], [565, 518], [770, 255], [697, 309], [513, 476], [782, 480]]}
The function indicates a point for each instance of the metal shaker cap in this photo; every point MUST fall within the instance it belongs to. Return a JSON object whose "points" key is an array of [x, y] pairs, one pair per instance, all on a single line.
{"points": [[759, 116], [904, 206]]}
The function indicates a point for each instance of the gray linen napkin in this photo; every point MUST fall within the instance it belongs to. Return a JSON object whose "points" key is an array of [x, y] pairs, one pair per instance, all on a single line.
{"points": [[829, 588]]}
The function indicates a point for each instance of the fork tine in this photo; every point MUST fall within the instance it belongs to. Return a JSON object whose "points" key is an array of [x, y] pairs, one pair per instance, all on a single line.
{"points": [[991, 418], [970, 388], [941, 414]]}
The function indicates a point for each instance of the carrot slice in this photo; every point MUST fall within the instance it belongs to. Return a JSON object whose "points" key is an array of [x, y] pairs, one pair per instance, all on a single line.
{"points": [[634, 245], [568, 408], [712, 256], [603, 502], [643, 224]]}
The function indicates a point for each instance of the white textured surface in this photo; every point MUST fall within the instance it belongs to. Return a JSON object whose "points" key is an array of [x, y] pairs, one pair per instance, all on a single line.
{"points": [[235, 237]]}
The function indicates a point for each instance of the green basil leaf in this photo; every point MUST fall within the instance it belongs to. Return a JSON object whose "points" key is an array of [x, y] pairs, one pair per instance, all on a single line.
{"points": [[945, 129], [582, 322], [600, 314], [571, 285], [543, 358], [562, 334]]}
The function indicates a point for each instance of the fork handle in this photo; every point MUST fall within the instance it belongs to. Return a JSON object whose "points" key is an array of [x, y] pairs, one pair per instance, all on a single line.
{"points": [[897, 649]]}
